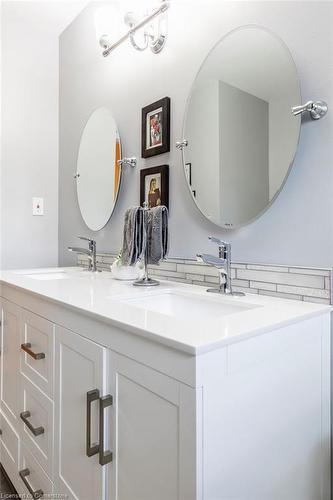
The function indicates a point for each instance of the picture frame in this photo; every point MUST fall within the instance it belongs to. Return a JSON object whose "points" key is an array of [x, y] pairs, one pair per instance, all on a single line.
{"points": [[154, 186], [155, 128]]}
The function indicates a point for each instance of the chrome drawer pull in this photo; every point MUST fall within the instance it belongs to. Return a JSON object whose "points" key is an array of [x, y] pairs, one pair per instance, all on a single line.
{"points": [[91, 449], [36, 355], [35, 430], [23, 475], [104, 456]]}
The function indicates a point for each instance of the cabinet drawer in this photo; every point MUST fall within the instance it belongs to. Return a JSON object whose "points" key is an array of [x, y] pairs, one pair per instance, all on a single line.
{"points": [[36, 416], [37, 351], [10, 357], [9, 444], [33, 477]]}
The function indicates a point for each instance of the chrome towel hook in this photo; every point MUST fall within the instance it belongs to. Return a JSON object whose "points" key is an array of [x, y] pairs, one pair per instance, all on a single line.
{"points": [[317, 109]]}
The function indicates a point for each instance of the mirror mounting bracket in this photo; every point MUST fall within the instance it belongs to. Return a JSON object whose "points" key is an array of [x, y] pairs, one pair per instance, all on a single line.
{"points": [[181, 144], [317, 109], [131, 162]]}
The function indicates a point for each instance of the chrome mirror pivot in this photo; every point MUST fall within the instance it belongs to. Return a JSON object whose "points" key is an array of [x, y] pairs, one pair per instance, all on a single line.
{"points": [[131, 162], [181, 144], [317, 109]]}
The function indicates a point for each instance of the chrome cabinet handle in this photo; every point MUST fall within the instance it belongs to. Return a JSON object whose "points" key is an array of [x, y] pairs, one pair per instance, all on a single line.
{"points": [[24, 415], [104, 456], [91, 449], [27, 348], [23, 475]]}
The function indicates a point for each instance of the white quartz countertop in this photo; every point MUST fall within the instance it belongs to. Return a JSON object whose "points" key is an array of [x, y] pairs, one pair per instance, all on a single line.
{"points": [[194, 331]]}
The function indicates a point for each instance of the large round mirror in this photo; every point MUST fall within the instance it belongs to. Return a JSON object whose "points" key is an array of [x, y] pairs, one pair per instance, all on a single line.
{"points": [[98, 171], [242, 136]]}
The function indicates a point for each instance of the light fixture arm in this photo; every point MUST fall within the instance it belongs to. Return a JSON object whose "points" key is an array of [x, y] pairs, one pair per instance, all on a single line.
{"points": [[135, 45]]}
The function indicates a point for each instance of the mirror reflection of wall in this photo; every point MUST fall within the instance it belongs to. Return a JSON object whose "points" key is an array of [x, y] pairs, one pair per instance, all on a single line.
{"points": [[98, 171], [241, 133]]}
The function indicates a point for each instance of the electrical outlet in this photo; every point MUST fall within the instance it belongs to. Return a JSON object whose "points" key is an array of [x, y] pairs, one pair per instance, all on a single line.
{"points": [[37, 206]]}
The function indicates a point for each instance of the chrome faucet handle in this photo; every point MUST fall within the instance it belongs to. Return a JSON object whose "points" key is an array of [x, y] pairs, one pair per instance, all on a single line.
{"points": [[223, 265], [92, 244], [224, 253], [84, 238], [92, 255], [218, 241]]}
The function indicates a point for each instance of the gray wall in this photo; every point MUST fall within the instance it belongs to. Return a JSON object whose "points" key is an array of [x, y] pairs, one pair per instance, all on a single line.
{"points": [[29, 121], [297, 229]]}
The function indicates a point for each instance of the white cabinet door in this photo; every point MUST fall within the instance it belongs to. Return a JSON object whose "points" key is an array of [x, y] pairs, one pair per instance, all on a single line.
{"points": [[80, 368], [10, 366], [152, 434]]}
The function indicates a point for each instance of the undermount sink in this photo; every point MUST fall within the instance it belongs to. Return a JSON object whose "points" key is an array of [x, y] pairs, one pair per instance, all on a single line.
{"points": [[52, 274], [48, 276], [188, 305]]}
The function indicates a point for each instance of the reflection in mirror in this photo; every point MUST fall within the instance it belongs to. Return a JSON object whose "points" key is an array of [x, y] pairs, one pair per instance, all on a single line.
{"points": [[242, 136], [98, 171]]}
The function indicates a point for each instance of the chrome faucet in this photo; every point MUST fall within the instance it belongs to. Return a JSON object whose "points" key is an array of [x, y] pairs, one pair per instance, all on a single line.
{"points": [[223, 265], [91, 252]]}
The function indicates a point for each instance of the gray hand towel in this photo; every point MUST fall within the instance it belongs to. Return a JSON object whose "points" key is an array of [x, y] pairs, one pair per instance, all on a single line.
{"points": [[133, 232], [157, 234]]}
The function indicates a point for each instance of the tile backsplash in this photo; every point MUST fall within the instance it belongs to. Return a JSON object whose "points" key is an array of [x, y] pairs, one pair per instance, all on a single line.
{"points": [[297, 283]]}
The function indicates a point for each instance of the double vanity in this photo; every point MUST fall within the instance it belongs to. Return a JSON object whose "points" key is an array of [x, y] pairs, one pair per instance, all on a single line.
{"points": [[115, 392], [170, 393]]}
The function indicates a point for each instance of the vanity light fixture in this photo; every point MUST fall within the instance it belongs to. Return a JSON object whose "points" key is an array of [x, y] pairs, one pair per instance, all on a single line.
{"points": [[154, 36], [317, 109]]}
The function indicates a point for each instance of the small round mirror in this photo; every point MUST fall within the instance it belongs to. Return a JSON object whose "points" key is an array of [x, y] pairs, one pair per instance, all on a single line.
{"points": [[98, 171], [242, 136]]}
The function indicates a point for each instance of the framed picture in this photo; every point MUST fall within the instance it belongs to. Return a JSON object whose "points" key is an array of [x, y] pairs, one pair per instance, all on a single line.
{"points": [[154, 186], [155, 132], [188, 173]]}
